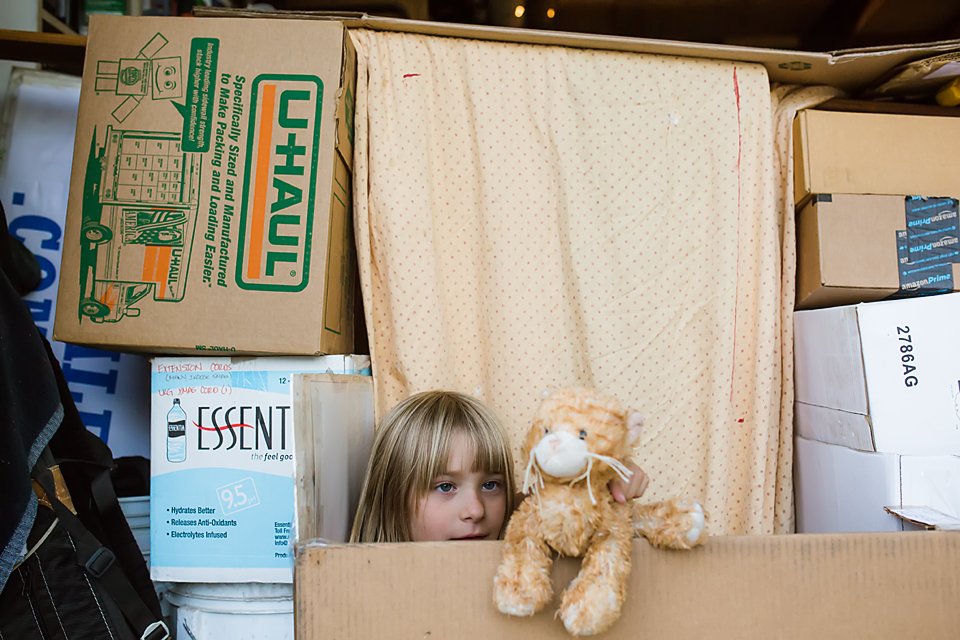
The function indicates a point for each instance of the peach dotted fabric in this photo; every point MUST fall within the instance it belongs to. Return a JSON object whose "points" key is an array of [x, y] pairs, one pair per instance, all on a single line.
{"points": [[531, 217]]}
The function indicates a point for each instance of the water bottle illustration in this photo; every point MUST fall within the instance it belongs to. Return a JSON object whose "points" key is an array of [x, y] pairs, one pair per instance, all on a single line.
{"points": [[176, 433]]}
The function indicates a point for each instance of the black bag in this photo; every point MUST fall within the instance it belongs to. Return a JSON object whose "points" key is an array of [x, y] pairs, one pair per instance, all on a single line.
{"points": [[71, 585]]}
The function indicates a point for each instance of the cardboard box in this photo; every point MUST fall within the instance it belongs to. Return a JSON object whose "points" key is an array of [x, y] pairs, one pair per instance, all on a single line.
{"points": [[847, 69], [111, 390], [840, 490], [331, 466], [210, 196], [880, 376], [229, 474], [841, 586], [875, 153], [862, 248]]}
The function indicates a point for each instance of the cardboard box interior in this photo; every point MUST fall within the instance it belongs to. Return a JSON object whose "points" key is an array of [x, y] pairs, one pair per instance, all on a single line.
{"points": [[788, 586], [330, 467]]}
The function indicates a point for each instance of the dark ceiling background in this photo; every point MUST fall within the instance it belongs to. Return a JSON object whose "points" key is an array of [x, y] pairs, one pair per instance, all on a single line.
{"points": [[809, 25]]}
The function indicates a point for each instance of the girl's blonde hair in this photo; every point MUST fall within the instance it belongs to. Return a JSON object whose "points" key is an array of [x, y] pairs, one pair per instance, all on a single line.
{"points": [[412, 447]]}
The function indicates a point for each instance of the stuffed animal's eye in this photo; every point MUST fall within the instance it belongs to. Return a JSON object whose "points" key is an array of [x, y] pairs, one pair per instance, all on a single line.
{"points": [[583, 434], [546, 429]]}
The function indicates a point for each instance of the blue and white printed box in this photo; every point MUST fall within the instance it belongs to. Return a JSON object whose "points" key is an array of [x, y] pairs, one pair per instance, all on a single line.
{"points": [[222, 490]]}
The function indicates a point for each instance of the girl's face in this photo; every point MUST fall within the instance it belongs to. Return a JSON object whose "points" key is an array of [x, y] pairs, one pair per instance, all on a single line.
{"points": [[461, 504]]}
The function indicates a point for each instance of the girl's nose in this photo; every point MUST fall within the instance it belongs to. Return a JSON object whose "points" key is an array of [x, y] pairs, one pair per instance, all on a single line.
{"points": [[472, 508]]}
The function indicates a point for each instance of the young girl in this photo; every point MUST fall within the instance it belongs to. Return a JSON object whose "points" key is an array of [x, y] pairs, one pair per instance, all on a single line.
{"points": [[441, 469]]}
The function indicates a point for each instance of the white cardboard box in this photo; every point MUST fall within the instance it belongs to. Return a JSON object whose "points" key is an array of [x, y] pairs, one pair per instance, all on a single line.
{"points": [[882, 376], [224, 490], [841, 490]]}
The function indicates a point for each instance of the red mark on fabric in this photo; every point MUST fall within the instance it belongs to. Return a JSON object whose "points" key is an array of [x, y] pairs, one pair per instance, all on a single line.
{"points": [[736, 299], [740, 420], [410, 75]]}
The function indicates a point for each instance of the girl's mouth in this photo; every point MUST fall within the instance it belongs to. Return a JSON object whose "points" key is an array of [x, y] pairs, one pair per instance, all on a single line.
{"points": [[476, 537]]}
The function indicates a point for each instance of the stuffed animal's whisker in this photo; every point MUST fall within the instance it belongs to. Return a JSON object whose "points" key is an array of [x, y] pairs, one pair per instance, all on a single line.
{"points": [[621, 469], [586, 474], [526, 476], [537, 479]]}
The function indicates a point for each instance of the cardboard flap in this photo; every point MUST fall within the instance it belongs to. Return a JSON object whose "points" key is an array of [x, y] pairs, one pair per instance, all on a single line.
{"points": [[833, 426], [926, 517], [827, 356], [751, 587], [849, 69], [346, 101]]}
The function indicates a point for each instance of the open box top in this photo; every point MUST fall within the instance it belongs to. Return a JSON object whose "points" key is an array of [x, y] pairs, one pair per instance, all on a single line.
{"points": [[848, 69]]}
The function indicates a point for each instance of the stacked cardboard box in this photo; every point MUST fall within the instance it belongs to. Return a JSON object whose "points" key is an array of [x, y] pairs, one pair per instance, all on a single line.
{"points": [[209, 214], [877, 209], [876, 421]]}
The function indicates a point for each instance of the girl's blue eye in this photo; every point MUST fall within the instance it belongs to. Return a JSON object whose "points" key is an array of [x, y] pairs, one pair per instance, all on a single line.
{"points": [[491, 485], [445, 487]]}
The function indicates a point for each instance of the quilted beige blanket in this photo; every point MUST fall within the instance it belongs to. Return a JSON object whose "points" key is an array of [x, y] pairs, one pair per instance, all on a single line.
{"points": [[531, 217]]}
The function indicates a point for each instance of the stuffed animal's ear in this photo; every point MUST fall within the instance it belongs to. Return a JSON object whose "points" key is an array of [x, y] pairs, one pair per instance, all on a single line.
{"points": [[634, 422]]}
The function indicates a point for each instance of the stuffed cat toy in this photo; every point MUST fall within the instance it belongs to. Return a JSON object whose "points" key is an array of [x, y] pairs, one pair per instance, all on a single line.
{"points": [[577, 442]]}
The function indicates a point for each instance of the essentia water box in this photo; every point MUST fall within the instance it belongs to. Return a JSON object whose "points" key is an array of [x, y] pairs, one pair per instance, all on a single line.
{"points": [[222, 490]]}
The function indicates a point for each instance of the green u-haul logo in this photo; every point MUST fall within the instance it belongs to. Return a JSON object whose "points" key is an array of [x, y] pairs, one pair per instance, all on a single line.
{"points": [[279, 184]]}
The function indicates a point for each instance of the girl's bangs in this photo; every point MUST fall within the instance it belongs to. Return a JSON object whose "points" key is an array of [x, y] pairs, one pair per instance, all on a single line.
{"points": [[489, 453]]}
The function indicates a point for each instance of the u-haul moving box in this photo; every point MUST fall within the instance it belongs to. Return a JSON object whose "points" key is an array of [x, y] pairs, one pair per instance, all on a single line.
{"points": [[210, 196]]}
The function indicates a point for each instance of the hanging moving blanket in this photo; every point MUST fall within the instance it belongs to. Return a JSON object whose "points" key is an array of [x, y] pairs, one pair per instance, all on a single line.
{"points": [[531, 217]]}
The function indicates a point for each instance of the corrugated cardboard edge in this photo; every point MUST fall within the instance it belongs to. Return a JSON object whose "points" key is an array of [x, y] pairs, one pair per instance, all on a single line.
{"points": [[751, 587], [926, 517], [801, 166], [847, 69]]}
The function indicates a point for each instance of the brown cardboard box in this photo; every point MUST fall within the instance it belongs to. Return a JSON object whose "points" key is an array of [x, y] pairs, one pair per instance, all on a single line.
{"points": [[847, 249], [893, 585], [210, 196], [875, 153]]}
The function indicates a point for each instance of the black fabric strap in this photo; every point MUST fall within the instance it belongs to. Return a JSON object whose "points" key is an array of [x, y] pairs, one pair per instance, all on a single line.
{"points": [[122, 540], [100, 563]]}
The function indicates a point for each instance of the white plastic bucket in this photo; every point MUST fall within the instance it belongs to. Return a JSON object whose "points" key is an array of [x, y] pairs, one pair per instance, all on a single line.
{"points": [[242, 611]]}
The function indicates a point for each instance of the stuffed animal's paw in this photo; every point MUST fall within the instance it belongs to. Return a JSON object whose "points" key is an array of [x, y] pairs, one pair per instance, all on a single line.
{"points": [[519, 591], [672, 524], [589, 609]]}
